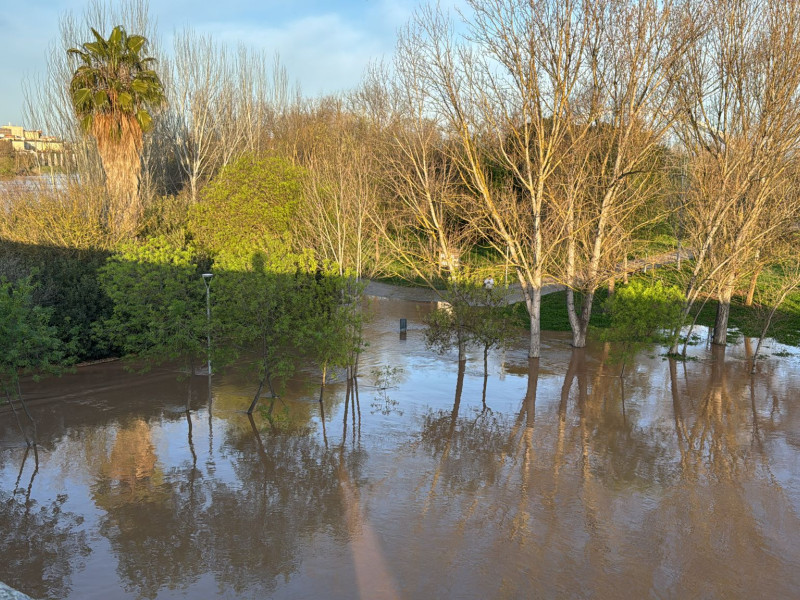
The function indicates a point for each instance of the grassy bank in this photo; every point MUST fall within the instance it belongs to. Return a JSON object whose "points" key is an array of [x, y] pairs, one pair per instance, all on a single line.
{"points": [[748, 320]]}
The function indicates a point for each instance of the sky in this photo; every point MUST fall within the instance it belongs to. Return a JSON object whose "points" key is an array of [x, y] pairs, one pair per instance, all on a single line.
{"points": [[324, 45]]}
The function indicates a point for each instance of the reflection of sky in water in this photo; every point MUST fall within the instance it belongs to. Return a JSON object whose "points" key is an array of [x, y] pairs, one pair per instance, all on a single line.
{"points": [[588, 490]]}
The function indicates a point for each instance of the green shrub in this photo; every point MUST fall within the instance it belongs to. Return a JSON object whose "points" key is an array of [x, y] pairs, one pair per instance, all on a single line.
{"points": [[249, 200], [67, 285], [642, 312], [158, 302]]}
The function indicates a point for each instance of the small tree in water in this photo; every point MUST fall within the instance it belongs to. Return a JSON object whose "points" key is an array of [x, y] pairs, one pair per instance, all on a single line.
{"points": [[333, 319], [158, 299], [474, 315], [257, 307]]}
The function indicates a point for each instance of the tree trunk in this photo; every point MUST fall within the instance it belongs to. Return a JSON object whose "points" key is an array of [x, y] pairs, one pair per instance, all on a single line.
{"points": [[579, 323], [751, 291], [723, 312], [257, 396], [533, 300], [572, 313], [121, 158], [462, 351], [765, 329]]}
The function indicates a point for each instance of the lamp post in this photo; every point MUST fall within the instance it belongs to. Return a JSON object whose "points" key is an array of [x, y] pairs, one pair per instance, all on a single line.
{"points": [[207, 280]]}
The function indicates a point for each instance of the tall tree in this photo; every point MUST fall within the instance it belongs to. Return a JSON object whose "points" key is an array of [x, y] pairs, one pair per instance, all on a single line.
{"points": [[621, 115], [739, 98], [113, 90]]}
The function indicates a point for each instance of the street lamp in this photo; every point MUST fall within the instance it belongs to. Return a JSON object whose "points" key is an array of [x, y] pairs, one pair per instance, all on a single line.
{"points": [[207, 280]]}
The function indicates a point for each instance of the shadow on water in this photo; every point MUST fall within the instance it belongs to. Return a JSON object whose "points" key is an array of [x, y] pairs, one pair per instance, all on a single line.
{"points": [[676, 480]]}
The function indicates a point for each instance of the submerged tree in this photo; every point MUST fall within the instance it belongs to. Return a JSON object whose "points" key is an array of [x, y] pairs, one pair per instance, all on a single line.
{"points": [[739, 123], [474, 315], [113, 90], [332, 319], [642, 314], [256, 308]]}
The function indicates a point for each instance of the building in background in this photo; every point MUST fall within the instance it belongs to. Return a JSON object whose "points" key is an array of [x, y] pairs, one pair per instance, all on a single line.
{"points": [[44, 150]]}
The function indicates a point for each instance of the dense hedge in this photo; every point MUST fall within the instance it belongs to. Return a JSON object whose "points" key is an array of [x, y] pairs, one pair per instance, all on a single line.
{"points": [[68, 283]]}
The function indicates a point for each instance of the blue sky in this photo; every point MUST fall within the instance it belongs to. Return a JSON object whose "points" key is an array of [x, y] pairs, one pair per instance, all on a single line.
{"points": [[325, 46]]}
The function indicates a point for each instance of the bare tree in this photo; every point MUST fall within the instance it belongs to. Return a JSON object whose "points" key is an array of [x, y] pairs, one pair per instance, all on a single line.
{"points": [[504, 95], [614, 164], [554, 109], [740, 124], [342, 191], [419, 221], [198, 86]]}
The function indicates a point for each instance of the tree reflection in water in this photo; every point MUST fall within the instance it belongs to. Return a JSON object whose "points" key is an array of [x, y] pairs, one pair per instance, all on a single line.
{"points": [[680, 484], [170, 529], [599, 494], [40, 545]]}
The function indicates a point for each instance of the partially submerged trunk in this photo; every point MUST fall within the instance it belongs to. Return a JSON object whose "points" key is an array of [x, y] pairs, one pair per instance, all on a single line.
{"points": [[579, 323], [765, 329], [533, 301], [723, 313], [264, 379]]}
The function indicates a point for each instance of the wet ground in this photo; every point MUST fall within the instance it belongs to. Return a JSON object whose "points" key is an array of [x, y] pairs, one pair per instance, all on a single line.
{"points": [[679, 480]]}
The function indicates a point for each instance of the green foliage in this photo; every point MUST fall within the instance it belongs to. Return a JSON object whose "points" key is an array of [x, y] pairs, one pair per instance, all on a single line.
{"points": [[475, 315], [333, 319], [641, 312], [255, 304], [67, 285], [748, 320], [28, 343], [158, 302], [443, 332], [286, 306], [115, 79], [251, 200], [74, 293]]}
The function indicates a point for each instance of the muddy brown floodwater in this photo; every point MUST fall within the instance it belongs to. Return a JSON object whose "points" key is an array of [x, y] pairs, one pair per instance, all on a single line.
{"points": [[681, 480]]}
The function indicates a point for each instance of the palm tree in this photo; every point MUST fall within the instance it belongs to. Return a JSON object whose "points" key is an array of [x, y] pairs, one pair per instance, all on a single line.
{"points": [[112, 91]]}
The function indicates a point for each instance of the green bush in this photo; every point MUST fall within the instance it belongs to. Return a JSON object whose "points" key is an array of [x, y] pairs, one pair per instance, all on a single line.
{"points": [[249, 200], [158, 302], [642, 312], [67, 285]]}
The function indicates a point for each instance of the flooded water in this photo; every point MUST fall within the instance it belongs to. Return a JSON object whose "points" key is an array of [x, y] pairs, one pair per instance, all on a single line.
{"points": [[680, 480], [34, 183]]}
